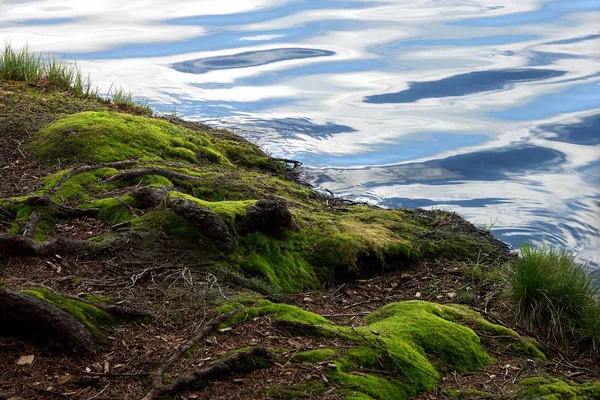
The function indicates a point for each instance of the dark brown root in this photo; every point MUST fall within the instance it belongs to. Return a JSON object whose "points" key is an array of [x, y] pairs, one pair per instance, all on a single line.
{"points": [[303, 329], [218, 370], [158, 388], [45, 201], [122, 312], [22, 246], [270, 217], [137, 172], [209, 222], [146, 197], [22, 315]]}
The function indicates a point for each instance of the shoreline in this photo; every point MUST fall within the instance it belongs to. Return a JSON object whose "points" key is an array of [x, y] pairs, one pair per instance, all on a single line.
{"points": [[182, 223]]}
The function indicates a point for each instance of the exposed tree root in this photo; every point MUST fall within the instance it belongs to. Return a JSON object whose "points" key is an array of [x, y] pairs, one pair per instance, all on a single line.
{"points": [[205, 219], [7, 214], [22, 246], [137, 172], [45, 201], [304, 329], [117, 311], [217, 370], [183, 381], [22, 315], [146, 197], [88, 168]]}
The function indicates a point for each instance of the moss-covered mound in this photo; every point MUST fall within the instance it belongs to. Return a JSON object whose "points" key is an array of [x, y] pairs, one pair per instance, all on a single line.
{"points": [[331, 240], [404, 349]]}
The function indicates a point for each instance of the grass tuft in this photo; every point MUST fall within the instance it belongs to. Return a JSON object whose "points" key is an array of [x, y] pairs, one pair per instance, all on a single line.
{"points": [[24, 66], [553, 294]]}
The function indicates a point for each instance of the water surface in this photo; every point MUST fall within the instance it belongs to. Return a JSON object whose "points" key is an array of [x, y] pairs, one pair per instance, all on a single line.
{"points": [[487, 108]]}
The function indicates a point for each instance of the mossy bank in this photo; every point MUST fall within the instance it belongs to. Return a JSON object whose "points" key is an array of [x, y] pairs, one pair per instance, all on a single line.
{"points": [[183, 221]]}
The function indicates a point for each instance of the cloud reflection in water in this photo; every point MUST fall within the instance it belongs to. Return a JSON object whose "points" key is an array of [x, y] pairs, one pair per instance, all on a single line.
{"points": [[487, 108]]}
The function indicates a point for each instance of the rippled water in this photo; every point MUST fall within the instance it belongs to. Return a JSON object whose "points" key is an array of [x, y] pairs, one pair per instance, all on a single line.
{"points": [[490, 108]]}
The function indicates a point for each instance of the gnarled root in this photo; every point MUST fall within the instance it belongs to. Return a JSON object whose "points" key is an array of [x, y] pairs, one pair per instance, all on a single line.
{"points": [[22, 315]]}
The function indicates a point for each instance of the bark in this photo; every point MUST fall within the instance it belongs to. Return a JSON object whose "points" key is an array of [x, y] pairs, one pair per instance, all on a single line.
{"points": [[209, 222], [25, 316], [45, 201], [270, 217], [215, 371], [21, 246], [146, 197], [32, 222]]}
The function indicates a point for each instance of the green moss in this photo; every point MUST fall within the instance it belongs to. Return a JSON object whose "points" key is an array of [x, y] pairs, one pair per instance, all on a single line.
{"points": [[518, 344], [106, 136], [228, 211], [173, 225], [550, 388], [413, 340], [277, 311], [111, 209], [47, 221], [281, 262], [314, 356], [93, 318], [79, 186]]}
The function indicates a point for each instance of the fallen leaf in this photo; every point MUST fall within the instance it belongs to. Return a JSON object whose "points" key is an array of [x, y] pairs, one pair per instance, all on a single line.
{"points": [[26, 360], [418, 294]]}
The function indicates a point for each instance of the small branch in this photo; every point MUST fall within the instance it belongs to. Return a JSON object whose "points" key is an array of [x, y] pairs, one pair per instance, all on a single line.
{"points": [[158, 388], [295, 163], [207, 329], [32, 222]]}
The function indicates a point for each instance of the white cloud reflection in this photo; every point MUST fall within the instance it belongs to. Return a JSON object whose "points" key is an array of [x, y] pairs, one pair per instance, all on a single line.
{"points": [[381, 47]]}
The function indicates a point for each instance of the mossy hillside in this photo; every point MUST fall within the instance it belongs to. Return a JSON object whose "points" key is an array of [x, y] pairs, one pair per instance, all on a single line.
{"points": [[416, 341], [556, 389], [93, 318], [97, 137], [226, 175]]}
